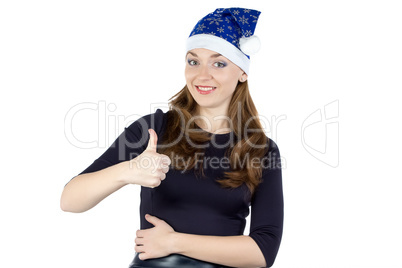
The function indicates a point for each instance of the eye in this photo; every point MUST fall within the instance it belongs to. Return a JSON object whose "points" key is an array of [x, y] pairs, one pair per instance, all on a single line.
{"points": [[192, 62], [220, 64]]}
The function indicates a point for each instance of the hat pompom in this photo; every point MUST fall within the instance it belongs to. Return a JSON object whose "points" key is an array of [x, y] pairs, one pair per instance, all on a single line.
{"points": [[250, 45]]}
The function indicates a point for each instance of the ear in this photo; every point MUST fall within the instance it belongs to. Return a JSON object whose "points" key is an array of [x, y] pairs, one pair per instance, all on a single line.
{"points": [[243, 77]]}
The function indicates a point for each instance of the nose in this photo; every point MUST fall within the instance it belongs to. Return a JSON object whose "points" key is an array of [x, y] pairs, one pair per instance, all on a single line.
{"points": [[204, 72]]}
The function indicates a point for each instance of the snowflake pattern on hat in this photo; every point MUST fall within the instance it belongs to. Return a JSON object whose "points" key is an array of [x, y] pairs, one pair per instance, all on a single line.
{"points": [[231, 24], [230, 33]]}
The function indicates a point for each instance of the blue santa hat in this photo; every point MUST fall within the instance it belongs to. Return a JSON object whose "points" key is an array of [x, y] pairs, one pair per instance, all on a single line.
{"points": [[229, 32]]}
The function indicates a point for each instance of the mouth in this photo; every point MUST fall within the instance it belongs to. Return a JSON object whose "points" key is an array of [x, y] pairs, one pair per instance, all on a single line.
{"points": [[205, 89]]}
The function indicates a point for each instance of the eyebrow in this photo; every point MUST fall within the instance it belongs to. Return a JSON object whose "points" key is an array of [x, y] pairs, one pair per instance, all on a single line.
{"points": [[212, 56]]}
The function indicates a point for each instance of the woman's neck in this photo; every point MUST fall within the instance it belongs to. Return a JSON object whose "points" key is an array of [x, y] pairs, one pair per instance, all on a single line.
{"points": [[213, 121]]}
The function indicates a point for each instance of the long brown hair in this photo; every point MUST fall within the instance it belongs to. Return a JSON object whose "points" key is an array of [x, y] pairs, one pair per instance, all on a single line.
{"points": [[182, 107]]}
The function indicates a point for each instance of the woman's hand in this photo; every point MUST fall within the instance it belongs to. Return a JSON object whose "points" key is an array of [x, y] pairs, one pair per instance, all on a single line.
{"points": [[155, 242], [149, 168]]}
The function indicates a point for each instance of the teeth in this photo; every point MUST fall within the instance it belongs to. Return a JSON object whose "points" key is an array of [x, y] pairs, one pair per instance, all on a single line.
{"points": [[205, 88]]}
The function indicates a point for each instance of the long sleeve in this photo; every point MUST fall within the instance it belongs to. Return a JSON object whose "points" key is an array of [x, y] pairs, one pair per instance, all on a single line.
{"points": [[267, 207], [131, 142]]}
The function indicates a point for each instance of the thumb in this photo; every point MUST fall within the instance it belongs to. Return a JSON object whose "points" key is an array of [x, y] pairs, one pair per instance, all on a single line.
{"points": [[152, 219], [153, 140]]}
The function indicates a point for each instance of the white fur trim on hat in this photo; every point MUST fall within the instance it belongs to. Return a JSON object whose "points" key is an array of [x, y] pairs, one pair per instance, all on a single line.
{"points": [[220, 46], [250, 45]]}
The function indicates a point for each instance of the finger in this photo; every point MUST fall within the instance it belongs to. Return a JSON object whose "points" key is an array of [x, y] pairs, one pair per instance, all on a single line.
{"points": [[152, 219], [142, 256], [139, 241], [153, 140], [166, 160], [160, 174], [139, 248], [139, 233], [165, 169], [163, 176], [155, 183]]}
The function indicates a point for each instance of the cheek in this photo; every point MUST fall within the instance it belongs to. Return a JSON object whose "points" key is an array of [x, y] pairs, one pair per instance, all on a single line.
{"points": [[189, 74], [230, 77], [229, 82]]}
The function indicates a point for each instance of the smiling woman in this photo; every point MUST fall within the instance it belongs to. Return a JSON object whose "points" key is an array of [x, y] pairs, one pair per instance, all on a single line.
{"points": [[203, 165], [211, 79]]}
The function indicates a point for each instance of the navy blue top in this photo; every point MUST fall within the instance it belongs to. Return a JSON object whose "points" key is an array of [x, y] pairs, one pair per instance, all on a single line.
{"points": [[198, 205]]}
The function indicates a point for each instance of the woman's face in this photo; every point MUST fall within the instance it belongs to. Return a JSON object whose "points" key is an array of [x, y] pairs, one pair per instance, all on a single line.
{"points": [[211, 78]]}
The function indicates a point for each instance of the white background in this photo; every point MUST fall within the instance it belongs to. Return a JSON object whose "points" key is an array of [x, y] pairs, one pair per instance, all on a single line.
{"points": [[130, 55]]}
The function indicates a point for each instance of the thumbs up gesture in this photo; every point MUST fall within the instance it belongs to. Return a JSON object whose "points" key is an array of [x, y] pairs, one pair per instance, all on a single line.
{"points": [[150, 167]]}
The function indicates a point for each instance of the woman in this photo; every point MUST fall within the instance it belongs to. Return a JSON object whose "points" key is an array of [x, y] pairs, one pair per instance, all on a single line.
{"points": [[204, 163]]}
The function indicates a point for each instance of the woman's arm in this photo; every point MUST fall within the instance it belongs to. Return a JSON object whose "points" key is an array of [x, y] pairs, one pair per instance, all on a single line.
{"points": [[85, 191], [235, 251], [162, 240]]}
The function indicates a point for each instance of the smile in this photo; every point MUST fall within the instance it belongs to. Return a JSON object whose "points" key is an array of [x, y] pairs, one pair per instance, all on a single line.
{"points": [[205, 90]]}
